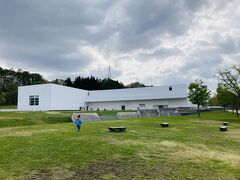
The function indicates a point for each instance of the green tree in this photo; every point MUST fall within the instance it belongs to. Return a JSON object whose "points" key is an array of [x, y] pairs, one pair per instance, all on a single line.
{"points": [[230, 79], [214, 101], [108, 83], [198, 94], [3, 99], [225, 97], [68, 82], [135, 85]]}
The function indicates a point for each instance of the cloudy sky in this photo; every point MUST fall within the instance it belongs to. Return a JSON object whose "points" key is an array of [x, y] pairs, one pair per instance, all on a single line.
{"points": [[155, 42]]}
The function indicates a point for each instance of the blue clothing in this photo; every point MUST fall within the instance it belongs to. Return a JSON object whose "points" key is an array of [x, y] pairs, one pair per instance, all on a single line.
{"points": [[78, 122]]}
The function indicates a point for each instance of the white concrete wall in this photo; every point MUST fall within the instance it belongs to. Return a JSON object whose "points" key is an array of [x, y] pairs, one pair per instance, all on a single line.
{"points": [[147, 93], [67, 98], [116, 105], [51, 97], [56, 97], [44, 93]]}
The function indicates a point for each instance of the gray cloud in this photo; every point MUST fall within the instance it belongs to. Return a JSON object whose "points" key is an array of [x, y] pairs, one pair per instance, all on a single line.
{"points": [[159, 53], [146, 22], [82, 37]]}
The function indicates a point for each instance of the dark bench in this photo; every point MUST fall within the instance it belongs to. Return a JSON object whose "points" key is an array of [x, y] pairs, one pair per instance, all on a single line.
{"points": [[225, 123], [117, 129], [223, 128], [164, 124]]}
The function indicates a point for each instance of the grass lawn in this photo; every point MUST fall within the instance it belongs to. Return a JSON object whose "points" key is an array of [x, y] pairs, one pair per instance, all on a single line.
{"points": [[8, 107], [45, 145]]}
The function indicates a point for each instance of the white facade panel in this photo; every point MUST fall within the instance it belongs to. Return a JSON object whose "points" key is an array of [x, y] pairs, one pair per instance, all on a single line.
{"points": [[133, 105], [67, 98], [161, 92], [43, 91]]}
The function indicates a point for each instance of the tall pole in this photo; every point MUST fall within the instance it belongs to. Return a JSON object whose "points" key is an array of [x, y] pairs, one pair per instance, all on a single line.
{"points": [[109, 73]]}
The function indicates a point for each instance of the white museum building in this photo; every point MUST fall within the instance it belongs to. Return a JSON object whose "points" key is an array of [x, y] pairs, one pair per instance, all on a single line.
{"points": [[46, 97]]}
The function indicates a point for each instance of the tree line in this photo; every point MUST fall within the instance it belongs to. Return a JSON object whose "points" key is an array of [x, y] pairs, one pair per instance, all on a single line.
{"points": [[92, 83], [11, 79]]}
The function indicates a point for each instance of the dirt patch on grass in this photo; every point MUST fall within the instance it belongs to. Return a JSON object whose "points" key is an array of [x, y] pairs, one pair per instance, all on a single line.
{"points": [[121, 168], [11, 117], [6, 129], [41, 175], [54, 173], [191, 151], [207, 122], [14, 132], [151, 149], [18, 132], [47, 130], [108, 169], [234, 134]]}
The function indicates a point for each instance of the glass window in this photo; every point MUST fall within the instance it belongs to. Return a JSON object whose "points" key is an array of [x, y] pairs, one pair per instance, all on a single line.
{"points": [[34, 100], [170, 88], [141, 105]]}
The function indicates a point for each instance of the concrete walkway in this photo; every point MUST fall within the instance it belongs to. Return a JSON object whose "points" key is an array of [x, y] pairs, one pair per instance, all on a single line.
{"points": [[8, 110]]}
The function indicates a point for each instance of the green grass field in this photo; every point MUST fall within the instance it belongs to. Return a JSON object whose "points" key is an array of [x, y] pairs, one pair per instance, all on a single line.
{"points": [[8, 107], [45, 145]]}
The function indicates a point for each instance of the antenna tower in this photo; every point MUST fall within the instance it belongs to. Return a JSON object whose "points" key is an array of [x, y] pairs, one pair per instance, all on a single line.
{"points": [[109, 72]]}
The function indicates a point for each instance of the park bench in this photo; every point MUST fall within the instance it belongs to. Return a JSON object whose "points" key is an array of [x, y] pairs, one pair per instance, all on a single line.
{"points": [[164, 124], [225, 123], [223, 128], [117, 129]]}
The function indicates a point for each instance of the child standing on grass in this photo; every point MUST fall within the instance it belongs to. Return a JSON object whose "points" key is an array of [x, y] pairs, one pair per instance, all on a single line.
{"points": [[78, 122]]}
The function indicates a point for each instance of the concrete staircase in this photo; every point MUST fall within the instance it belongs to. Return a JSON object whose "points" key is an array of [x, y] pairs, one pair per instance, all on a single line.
{"points": [[158, 112], [168, 112], [186, 110], [148, 112], [124, 115]]}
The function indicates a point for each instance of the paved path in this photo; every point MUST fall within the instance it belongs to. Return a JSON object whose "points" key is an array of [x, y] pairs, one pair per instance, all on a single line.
{"points": [[8, 110]]}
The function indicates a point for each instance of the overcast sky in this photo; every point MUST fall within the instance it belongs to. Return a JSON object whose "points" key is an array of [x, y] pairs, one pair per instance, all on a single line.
{"points": [[155, 42]]}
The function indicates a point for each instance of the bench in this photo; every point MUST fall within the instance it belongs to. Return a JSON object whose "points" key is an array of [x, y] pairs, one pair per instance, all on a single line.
{"points": [[164, 124], [117, 129], [225, 123], [223, 128]]}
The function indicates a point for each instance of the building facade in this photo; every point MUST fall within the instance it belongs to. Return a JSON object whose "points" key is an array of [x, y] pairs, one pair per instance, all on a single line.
{"points": [[45, 97]]}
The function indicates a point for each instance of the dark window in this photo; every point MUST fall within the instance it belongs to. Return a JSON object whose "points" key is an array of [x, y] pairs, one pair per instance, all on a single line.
{"points": [[122, 107], [170, 88], [34, 100], [142, 105], [159, 106]]}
